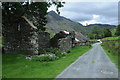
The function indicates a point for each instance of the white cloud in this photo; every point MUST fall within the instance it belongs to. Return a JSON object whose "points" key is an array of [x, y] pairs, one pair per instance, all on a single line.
{"points": [[95, 16], [52, 8]]}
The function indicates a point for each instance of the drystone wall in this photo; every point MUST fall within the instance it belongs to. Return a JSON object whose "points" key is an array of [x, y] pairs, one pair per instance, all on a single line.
{"points": [[65, 44]]}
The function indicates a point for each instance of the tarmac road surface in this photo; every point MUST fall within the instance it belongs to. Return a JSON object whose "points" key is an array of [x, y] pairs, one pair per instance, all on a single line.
{"points": [[93, 64]]}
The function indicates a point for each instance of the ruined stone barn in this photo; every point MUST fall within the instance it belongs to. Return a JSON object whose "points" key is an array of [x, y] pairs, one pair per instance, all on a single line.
{"points": [[20, 38], [63, 41], [81, 40]]}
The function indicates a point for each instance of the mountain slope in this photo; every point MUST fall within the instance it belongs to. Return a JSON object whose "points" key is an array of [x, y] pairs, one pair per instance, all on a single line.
{"points": [[57, 23], [102, 26]]}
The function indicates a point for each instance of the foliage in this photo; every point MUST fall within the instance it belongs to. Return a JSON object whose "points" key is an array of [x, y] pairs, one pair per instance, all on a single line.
{"points": [[111, 38], [107, 32], [113, 46], [118, 30], [16, 66], [41, 51], [50, 51], [68, 51], [43, 58], [95, 33], [113, 31], [12, 12], [98, 33]]}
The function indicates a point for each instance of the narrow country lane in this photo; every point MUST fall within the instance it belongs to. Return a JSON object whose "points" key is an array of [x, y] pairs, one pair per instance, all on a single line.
{"points": [[93, 64]]}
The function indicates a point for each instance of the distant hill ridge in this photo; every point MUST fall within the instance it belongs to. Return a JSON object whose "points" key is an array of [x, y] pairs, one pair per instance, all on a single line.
{"points": [[102, 25]]}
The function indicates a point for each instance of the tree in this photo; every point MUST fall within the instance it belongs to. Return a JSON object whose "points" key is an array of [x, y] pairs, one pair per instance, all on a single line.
{"points": [[12, 12], [95, 32], [117, 33], [107, 32]]}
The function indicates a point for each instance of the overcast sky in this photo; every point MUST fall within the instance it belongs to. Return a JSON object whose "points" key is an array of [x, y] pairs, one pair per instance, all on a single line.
{"points": [[90, 12]]}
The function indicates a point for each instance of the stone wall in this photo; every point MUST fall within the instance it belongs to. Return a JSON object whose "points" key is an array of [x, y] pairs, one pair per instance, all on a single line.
{"points": [[84, 43], [20, 38], [65, 44], [11, 39], [63, 41], [54, 41], [43, 40]]}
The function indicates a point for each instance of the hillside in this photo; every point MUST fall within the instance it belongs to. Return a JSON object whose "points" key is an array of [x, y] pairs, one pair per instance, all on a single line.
{"points": [[102, 26], [57, 23]]}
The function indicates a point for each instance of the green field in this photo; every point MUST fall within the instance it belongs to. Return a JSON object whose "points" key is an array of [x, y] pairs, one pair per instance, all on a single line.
{"points": [[107, 38], [16, 66], [111, 38], [112, 49]]}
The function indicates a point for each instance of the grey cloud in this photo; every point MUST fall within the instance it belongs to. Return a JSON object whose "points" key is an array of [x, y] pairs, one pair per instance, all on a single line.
{"points": [[83, 11]]}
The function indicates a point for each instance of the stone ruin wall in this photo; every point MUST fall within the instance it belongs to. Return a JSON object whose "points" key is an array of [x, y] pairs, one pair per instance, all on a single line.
{"points": [[23, 38], [20, 39], [62, 41], [43, 40], [65, 44]]}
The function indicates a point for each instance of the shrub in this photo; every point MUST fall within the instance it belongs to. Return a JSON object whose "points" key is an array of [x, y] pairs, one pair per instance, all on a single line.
{"points": [[113, 47], [43, 58], [50, 51], [68, 51], [41, 51], [117, 33], [56, 52]]}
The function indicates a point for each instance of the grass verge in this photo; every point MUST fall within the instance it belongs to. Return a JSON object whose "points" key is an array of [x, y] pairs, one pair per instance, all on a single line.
{"points": [[16, 66], [111, 38], [112, 50]]}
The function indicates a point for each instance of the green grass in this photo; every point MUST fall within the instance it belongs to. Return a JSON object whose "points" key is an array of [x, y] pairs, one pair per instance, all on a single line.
{"points": [[113, 51], [111, 38], [16, 66], [108, 38]]}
